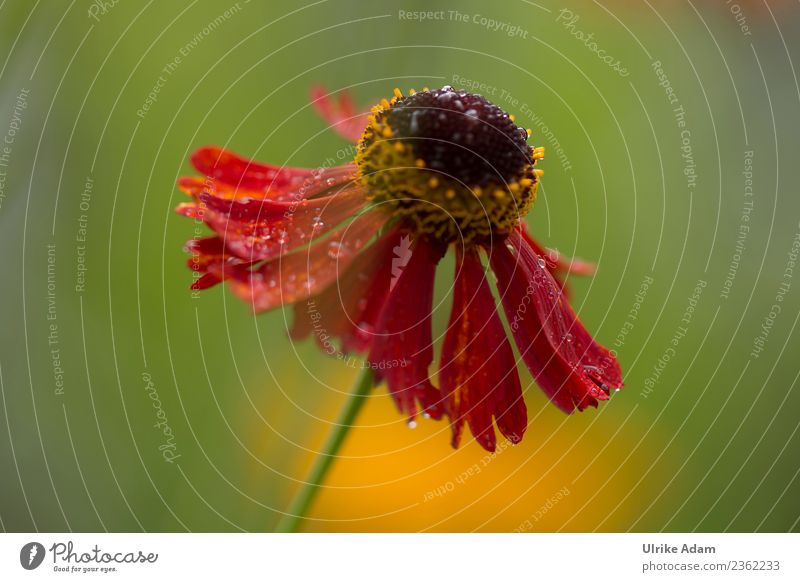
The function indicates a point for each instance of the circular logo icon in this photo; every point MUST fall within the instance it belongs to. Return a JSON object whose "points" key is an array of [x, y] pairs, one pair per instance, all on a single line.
{"points": [[31, 555]]}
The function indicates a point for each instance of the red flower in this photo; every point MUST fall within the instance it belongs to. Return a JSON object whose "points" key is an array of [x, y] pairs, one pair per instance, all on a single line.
{"points": [[355, 248]]}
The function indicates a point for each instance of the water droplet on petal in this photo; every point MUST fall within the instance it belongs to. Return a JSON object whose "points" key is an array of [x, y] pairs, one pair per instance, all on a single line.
{"points": [[337, 250], [541, 262], [412, 424]]}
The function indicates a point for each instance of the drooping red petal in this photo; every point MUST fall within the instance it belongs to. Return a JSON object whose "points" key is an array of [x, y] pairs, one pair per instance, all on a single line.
{"points": [[303, 273], [579, 342], [303, 184], [235, 170], [349, 308], [478, 370], [264, 229], [402, 348], [571, 368], [556, 263], [341, 115], [206, 252]]}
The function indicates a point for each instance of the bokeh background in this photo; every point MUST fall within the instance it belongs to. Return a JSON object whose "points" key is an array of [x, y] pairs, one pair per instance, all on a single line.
{"points": [[696, 222]]}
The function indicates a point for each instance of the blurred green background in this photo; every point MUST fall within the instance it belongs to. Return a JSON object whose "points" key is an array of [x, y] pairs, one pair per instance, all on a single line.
{"points": [[703, 437]]}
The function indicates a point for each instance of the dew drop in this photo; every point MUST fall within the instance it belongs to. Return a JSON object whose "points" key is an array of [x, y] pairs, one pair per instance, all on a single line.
{"points": [[337, 250], [413, 125], [412, 424], [447, 89], [541, 262], [330, 181], [316, 222], [472, 114], [427, 416]]}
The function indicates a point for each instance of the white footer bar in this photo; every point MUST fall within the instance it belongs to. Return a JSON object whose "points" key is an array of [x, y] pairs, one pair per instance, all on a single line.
{"points": [[400, 557]]}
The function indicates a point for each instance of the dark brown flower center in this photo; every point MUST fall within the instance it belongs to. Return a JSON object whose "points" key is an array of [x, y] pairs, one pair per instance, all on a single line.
{"points": [[462, 135], [451, 161]]}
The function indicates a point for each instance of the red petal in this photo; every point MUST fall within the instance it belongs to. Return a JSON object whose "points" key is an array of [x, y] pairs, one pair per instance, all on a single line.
{"points": [[478, 371], [350, 307], [341, 115], [265, 229], [204, 282], [402, 349], [304, 273], [555, 261], [567, 363], [232, 177], [234, 170]]}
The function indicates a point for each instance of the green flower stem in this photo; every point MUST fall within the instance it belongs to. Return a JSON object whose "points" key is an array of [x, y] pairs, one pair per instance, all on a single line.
{"points": [[297, 510]]}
